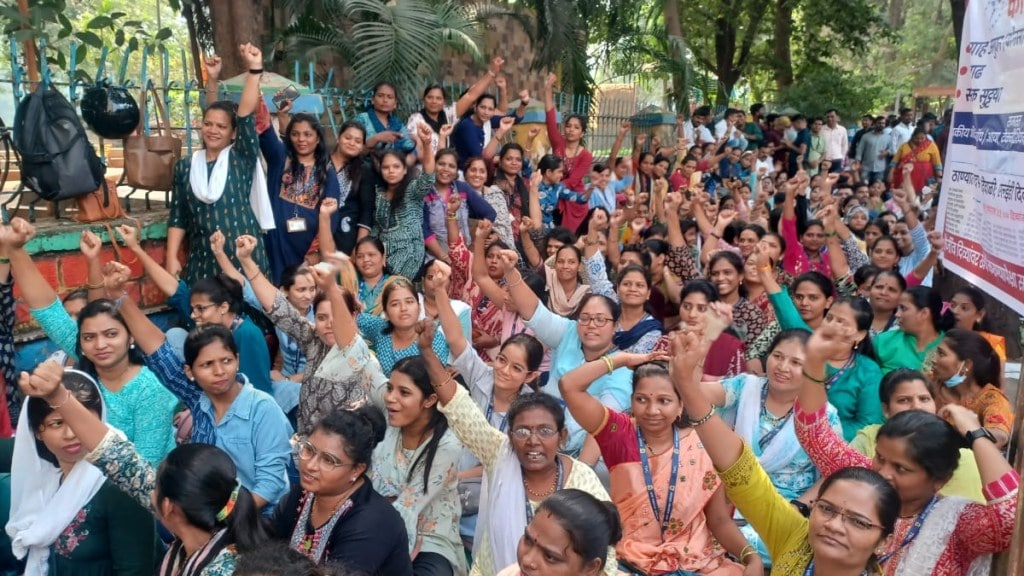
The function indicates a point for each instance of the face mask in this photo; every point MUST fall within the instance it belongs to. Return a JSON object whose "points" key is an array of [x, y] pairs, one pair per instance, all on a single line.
{"points": [[956, 379]]}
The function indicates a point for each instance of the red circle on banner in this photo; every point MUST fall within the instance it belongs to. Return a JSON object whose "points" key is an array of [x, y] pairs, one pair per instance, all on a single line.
{"points": [[963, 70], [957, 93]]}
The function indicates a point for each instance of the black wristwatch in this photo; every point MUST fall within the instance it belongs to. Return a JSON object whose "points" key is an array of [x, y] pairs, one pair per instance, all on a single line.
{"points": [[804, 509], [979, 433]]}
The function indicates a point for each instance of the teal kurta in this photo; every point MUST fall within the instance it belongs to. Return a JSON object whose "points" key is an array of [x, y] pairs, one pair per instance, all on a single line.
{"points": [[898, 349], [401, 229], [232, 214]]}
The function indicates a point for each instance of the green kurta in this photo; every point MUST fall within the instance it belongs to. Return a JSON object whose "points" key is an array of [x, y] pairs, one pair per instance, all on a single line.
{"points": [[401, 230], [232, 214]]}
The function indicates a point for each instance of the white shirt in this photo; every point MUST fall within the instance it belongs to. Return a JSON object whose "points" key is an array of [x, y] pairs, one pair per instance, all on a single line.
{"points": [[768, 164], [703, 135], [900, 135], [837, 142]]}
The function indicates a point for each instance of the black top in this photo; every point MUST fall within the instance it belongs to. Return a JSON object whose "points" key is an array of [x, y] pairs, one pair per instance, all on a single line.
{"points": [[369, 539]]}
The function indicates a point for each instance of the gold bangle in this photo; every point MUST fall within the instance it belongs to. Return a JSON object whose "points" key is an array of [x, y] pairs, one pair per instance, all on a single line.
{"points": [[696, 423], [765, 268], [746, 552], [96, 286], [609, 363]]}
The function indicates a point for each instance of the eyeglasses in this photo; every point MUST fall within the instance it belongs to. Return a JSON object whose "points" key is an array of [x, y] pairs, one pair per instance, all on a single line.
{"points": [[544, 433], [597, 321], [501, 361], [307, 451], [198, 309], [829, 511]]}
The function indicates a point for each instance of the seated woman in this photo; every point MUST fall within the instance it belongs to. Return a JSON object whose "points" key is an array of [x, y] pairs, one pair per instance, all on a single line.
{"points": [[917, 452], [569, 532], [66, 518], [903, 390], [211, 300], [965, 370], [227, 410], [341, 371], [415, 467], [675, 516], [195, 492], [727, 358], [520, 465], [588, 336], [854, 513], [968, 309], [393, 335], [335, 516], [885, 293], [922, 327], [760, 410], [102, 344]]}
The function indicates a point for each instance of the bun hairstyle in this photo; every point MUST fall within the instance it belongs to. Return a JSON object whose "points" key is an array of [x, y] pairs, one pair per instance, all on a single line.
{"points": [[83, 387], [278, 559], [931, 442], [220, 289], [361, 429], [593, 525], [201, 480]]}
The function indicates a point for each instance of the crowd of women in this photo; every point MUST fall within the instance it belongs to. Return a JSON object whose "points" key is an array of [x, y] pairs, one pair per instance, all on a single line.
{"points": [[431, 351]]}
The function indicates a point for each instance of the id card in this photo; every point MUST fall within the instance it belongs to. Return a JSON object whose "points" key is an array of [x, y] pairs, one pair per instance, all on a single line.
{"points": [[296, 225]]}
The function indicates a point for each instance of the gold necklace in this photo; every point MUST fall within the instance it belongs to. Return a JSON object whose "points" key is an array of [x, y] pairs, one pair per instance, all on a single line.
{"points": [[554, 486]]}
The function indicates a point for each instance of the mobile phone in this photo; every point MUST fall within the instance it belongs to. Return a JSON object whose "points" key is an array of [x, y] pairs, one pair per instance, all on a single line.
{"points": [[290, 93], [696, 178]]}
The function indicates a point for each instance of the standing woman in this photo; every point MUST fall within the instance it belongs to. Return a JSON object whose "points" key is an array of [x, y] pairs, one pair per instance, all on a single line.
{"points": [[885, 293], [674, 513], [384, 129], [508, 178], [922, 155], [416, 468], [66, 518], [476, 177], [102, 344], [194, 492], [568, 146], [439, 208], [398, 208], [355, 188], [221, 186]]}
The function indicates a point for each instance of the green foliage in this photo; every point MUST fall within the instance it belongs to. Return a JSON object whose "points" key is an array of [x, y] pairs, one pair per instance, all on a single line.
{"points": [[822, 86]]}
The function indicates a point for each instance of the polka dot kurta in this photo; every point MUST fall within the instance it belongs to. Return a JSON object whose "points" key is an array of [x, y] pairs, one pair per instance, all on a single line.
{"points": [[232, 214]]}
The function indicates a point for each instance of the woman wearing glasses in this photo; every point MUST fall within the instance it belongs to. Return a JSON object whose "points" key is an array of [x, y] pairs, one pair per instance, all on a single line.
{"points": [[334, 516], [675, 518], [855, 511]]}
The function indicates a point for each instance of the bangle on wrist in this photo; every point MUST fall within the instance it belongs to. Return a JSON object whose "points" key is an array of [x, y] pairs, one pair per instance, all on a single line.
{"points": [[452, 216], [715, 236], [255, 70], [765, 268], [513, 284], [96, 286], [609, 363], [4, 260], [67, 396], [253, 275], [703, 420]]}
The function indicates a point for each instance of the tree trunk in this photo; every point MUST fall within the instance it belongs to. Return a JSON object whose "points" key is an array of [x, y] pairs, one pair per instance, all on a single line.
{"points": [[236, 22], [959, 13], [783, 44], [725, 55], [674, 31]]}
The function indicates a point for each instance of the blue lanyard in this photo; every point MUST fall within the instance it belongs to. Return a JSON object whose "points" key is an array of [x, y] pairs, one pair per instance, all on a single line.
{"points": [[839, 374], [913, 532], [526, 492], [649, 480], [810, 570], [490, 413]]}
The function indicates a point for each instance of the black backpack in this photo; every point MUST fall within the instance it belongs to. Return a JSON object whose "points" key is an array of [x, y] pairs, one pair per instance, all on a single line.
{"points": [[57, 160]]}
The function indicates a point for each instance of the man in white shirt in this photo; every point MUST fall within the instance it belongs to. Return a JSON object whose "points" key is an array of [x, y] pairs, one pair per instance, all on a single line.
{"points": [[901, 132], [837, 142], [695, 130]]}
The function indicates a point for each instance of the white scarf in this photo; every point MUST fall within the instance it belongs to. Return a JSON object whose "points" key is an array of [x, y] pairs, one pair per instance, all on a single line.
{"points": [[209, 190], [502, 508], [41, 505], [784, 447], [933, 538]]}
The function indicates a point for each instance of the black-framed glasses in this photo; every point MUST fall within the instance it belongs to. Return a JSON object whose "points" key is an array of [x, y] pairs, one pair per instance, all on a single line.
{"points": [[198, 309], [307, 451], [829, 511], [597, 321]]}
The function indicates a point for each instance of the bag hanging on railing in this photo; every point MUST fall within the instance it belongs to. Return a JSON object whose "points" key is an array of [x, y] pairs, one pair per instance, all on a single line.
{"points": [[100, 204], [57, 160], [149, 160]]}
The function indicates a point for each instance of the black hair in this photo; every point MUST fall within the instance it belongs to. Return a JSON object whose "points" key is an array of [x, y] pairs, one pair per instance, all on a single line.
{"points": [[76, 294], [823, 284], [892, 380], [531, 346], [702, 111], [887, 504], [415, 367], [599, 167], [485, 96], [579, 117], [394, 284], [204, 335], [110, 308], [778, 237], [756, 107], [658, 159], [891, 274], [220, 289], [289, 275], [865, 273], [977, 298], [320, 157], [986, 367], [377, 245], [613, 306], [277, 559], [398, 195], [657, 246], [700, 286], [655, 229], [346, 296], [575, 249], [360, 429], [930, 441], [447, 152], [633, 269], [593, 525], [584, 226], [757, 229], [924, 297], [645, 257], [798, 334], [382, 84], [536, 401], [83, 388], [549, 162], [226, 106], [863, 316], [354, 167], [734, 260], [201, 479], [563, 235]]}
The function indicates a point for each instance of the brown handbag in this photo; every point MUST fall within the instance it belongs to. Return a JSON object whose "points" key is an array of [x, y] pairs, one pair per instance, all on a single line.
{"points": [[100, 204], [149, 160]]}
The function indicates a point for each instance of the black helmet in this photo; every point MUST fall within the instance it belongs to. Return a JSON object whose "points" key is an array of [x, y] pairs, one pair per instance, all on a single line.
{"points": [[110, 111]]}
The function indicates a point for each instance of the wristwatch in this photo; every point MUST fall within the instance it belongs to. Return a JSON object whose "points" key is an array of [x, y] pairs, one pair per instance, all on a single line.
{"points": [[979, 433]]}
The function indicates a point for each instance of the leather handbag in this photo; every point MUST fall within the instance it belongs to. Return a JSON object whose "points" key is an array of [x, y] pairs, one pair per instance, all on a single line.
{"points": [[149, 160], [100, 204]]}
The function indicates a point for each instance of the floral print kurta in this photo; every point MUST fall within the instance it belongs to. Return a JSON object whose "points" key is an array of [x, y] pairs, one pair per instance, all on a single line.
{"points": [[232, 214], [432, 514]]}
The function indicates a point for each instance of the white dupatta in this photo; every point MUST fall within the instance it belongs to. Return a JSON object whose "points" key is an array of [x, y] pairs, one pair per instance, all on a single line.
{"points": [[784, 447], [502, 508], [209, 190]]}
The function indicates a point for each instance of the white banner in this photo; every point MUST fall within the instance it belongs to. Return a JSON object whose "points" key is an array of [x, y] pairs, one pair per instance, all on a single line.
{"points": [[981, 211]]}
